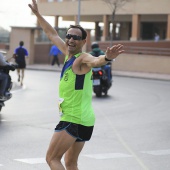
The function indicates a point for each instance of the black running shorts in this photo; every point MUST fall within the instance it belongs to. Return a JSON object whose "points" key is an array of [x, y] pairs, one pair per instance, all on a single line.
{"points": [[80, 132]]}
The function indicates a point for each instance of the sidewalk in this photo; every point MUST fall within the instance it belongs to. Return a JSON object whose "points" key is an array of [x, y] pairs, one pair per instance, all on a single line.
{"points": [[46, 67]]}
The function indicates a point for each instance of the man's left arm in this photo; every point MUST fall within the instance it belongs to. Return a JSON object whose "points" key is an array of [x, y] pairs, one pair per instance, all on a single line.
{"points": [[110, 54]]}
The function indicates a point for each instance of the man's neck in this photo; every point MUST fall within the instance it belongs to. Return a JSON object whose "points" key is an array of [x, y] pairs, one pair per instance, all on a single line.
{"points": [[70, 55]]}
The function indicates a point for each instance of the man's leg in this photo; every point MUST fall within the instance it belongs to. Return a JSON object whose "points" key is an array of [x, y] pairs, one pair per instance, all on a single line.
{"points": [[57, 61], [53, 61], [71, 156], [60, 143], [22, 76], [18, 73]]}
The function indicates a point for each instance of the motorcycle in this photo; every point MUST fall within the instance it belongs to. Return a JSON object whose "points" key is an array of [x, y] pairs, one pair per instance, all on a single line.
{"points": [[6, 69], [101, 80]]}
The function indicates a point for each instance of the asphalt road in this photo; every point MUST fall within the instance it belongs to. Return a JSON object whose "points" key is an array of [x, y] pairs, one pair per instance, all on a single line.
{"points": [[131, 131]]}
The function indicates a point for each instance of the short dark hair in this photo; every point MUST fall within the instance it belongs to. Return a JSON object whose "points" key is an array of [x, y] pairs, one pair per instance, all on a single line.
{"points": [[84, 33], [21, 43]]}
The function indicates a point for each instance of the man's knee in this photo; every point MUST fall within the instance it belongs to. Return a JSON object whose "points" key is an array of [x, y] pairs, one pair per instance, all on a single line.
{"points": [[48, 159], [70, 164], [52, 160]]}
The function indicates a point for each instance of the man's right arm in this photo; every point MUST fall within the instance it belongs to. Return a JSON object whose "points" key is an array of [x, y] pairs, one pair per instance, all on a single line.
{"points": [[48, 29]]}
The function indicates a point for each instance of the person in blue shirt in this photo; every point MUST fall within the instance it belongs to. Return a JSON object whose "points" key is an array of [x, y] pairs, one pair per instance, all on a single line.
{"points": [[54, 51], [19, 54]]}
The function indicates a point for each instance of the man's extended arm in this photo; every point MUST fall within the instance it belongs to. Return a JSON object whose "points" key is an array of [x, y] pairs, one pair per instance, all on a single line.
{"points": [[110, 54], [48, 29]]}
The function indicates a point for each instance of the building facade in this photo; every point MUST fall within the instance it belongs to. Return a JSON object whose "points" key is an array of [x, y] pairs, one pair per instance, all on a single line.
{"points": [[135, 20], [135, 25]]}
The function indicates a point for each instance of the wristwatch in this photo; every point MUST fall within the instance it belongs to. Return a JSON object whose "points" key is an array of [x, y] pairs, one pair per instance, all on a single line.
{"points": [[107, 59]]}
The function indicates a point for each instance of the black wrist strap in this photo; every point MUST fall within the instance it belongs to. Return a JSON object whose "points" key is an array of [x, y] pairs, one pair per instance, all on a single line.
{"points": [[107, 59]]}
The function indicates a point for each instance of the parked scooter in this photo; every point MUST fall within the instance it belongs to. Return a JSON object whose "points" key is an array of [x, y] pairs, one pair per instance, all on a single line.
{"points": [[101, 81], [7, 69]]}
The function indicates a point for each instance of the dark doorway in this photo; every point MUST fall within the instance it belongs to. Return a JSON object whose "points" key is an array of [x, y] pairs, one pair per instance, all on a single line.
{"points": [[147, 31]]}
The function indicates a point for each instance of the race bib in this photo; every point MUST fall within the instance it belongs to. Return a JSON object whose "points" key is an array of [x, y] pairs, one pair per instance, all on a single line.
{"points": [[59, 106]]}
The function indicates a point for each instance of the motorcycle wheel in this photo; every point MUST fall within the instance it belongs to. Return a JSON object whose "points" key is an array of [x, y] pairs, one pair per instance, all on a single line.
{"points": [[98, 94], [98, 91], [105, 93]]}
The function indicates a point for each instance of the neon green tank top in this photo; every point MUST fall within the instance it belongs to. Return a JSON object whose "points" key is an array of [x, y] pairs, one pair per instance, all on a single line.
{"points": [[75, 92]]}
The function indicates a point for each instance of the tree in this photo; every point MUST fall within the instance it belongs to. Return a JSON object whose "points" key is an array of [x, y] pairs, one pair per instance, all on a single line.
{"points": [[114, 5]]}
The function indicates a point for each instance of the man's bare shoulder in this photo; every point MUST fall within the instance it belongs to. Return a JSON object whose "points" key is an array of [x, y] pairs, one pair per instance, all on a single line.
{"points": [[86, 57], [80, 65]]}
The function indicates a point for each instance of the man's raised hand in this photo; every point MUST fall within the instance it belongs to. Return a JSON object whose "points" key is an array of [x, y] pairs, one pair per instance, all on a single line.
{"points": [[33, 6], [114, 51]]}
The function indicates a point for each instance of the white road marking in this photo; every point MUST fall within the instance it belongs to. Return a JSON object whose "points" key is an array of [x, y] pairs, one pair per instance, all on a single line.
{"points": [[108, 155], [3, 120], [122, 141], [32, 160], [158, 152], [97, 156]]}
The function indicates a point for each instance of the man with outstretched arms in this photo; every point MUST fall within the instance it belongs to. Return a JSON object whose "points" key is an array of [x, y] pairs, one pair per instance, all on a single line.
{"points": [[75, 93]]}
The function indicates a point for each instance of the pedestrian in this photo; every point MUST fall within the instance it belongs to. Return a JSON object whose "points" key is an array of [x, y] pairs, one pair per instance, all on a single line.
{"points": [[20, 54], [3, 78], [77, 117], [54, 51], [156, 38]]}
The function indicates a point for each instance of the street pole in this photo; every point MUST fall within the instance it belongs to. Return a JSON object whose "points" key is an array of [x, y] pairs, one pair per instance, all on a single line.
{"points": [[79, 6]]}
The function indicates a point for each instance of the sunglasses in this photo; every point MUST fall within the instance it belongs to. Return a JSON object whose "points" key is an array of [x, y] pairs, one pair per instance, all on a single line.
{"points": [[75, 37]]}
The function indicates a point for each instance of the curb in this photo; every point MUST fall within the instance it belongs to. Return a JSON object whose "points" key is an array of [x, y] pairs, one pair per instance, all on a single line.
{"points": [[154, 76]]}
